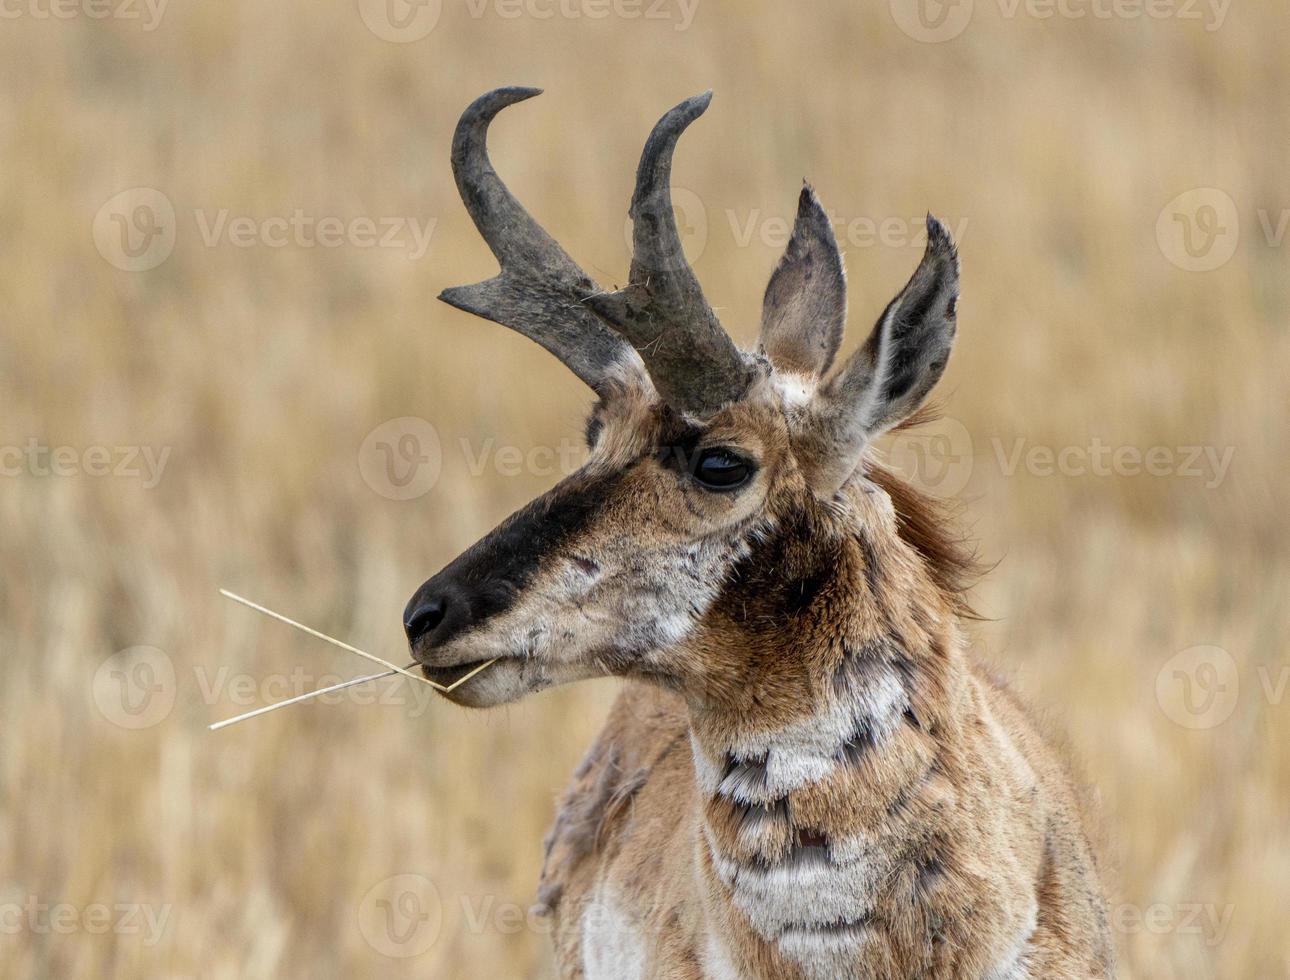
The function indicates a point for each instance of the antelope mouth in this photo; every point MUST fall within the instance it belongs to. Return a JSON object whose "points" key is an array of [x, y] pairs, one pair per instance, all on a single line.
{"points": [[448, 676]]}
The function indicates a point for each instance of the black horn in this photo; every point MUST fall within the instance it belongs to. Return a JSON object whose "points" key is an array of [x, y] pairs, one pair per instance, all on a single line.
{"points": [[662, 311], [540, 291]]}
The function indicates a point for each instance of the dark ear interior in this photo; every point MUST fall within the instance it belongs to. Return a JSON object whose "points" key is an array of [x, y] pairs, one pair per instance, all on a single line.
{"points": [[905, 355]]}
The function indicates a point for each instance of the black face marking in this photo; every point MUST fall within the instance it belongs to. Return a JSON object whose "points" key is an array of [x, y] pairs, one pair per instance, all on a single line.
{"points": [[487, 577], [678, 445], [785, 575], [800, 599]]}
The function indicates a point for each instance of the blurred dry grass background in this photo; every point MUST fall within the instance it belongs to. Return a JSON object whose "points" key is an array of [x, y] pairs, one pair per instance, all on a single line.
{"points": [[263, 369]]}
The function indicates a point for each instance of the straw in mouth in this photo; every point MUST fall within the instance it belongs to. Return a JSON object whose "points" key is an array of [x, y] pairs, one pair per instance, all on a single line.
{"points": [[391, 669]]}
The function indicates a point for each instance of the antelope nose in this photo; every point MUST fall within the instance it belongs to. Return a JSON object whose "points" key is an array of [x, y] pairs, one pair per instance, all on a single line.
{"points": [[423, 616]]}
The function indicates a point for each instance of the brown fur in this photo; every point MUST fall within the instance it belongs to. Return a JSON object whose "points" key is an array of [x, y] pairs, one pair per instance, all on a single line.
{"points": [[939, 823], [974, 811], [808, 775]]}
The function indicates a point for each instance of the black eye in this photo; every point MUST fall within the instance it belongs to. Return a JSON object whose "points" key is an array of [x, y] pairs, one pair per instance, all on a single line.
{"points": [[720, 469]]}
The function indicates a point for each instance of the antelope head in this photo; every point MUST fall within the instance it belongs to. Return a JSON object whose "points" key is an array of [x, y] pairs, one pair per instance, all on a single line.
{"points": [[717, 480]]}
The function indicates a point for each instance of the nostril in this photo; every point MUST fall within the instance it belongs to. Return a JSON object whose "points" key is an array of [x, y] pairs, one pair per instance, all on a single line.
{"points": [[423, 619]]}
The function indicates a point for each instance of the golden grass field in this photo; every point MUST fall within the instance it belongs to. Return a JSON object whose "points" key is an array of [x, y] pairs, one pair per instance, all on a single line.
{"points": [[134, 843]]}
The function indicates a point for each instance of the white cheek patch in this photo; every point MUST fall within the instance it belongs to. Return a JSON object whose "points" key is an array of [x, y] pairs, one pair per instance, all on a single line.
{"points": [[629, 602], [671, 592], [613, 944]]}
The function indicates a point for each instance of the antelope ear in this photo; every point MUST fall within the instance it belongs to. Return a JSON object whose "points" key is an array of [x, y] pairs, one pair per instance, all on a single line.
{"points": [[887, 379], [805, 307]]}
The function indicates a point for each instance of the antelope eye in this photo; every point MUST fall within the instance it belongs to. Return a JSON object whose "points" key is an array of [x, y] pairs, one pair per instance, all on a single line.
{"points": [[721, 469]]}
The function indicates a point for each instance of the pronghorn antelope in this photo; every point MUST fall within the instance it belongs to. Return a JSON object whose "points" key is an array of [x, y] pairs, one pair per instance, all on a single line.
{"points": [[807, 775]]}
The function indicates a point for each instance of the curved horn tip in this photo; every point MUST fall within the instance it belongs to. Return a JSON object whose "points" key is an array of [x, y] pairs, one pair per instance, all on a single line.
{"points": [[488, 105], [510, 93], [674, 122], [656, 158], [691, 108]]}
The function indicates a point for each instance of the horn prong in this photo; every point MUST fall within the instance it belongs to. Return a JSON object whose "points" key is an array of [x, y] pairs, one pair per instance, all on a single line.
{"points": [[540, 290], [662, 312]]}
